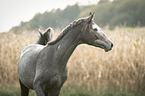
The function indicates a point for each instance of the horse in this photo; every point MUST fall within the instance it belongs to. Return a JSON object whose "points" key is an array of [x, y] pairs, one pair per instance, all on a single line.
{"points": [[45, 37], [43, 68]]}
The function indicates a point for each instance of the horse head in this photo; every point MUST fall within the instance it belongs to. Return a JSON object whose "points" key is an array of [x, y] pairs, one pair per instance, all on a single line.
{"points": [[93, 35], [45, 36]]}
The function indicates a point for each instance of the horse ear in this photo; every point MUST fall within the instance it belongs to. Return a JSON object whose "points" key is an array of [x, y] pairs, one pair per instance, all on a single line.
{"points": [[49, 31], [91, 17], [40, 32]]}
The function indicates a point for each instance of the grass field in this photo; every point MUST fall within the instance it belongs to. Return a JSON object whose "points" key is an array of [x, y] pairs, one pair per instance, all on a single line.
{"points": [[91, 71]]}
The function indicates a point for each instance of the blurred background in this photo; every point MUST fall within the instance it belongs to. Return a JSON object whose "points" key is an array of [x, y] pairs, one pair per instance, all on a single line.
{"points": [[91, 71]]}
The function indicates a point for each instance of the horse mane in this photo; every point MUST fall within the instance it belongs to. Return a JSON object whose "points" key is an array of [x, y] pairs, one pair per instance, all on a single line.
{"points": [[66, 30]]}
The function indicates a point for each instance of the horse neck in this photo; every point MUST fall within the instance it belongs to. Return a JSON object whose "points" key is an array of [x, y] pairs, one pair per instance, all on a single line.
{"points": [[67, 45]]}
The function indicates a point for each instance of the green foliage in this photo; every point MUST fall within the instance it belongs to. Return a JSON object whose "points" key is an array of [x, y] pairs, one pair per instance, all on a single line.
{"points": [[12, 91], [55, 18], [5, 91], [128, 13], [66, 91], [83, 91], [103, 1]]}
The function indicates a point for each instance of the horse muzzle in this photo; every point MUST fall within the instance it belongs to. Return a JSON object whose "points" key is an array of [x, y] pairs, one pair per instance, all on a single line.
{"points": [[107, 46]]}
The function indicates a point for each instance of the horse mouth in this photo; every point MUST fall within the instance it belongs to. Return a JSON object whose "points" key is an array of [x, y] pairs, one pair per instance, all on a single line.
{"points": [[103, 45]]}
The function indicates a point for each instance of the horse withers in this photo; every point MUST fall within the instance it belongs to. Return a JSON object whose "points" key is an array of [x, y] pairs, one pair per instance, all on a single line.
{"points": [[43, 68]]}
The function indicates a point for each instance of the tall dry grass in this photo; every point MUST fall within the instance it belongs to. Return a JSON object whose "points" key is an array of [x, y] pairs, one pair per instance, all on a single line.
{"points": [[11, 46], [122, 69]]}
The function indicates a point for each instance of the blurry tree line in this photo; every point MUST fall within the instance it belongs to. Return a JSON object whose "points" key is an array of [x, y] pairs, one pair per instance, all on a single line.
{"points": [[130, 13]]}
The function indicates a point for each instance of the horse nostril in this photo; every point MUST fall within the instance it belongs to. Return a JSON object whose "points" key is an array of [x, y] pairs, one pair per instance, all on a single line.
{"points": [[112, 45]]}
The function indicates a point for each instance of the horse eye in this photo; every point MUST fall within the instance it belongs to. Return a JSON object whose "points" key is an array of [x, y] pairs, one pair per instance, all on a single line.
{"points": [[95, 29]]}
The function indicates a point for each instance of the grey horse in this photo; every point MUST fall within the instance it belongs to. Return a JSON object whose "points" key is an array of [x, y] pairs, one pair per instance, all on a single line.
{"points": [[45, 36], [43, 68]]}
